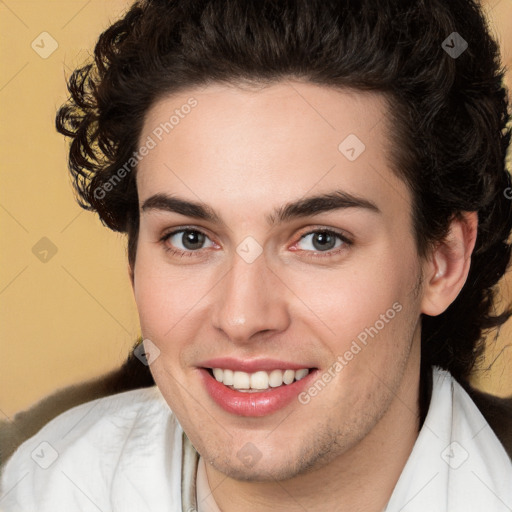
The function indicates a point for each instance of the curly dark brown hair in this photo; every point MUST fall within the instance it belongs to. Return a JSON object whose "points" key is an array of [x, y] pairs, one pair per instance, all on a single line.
{"points": [[448, 114]]}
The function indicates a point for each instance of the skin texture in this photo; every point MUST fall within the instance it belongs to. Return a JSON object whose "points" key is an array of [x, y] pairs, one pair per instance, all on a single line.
{"points": [[245, 152]]}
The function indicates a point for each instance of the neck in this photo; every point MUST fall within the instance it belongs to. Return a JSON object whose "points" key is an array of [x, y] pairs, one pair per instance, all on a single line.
{"points": [[360, 479]]}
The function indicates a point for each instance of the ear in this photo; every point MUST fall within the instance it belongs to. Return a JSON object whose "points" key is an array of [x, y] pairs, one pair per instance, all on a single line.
{"points": [[447, 268]]}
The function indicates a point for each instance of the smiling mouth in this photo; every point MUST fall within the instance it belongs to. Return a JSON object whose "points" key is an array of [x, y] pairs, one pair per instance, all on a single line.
{"points": [[257, 381]]}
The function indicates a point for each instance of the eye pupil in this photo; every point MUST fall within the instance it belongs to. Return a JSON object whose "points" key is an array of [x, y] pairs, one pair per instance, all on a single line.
{"points": [[323, 241], [192, 239]]}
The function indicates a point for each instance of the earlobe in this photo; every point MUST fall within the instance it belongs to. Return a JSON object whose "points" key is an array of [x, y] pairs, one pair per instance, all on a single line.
{"points": [[447, 269]]}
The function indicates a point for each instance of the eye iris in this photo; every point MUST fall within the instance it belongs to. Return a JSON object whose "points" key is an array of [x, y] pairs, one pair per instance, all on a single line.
{"points": [[192, 239], [323, 241]]}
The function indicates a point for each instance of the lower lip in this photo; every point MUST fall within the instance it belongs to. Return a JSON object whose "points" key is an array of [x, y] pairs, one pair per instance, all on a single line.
{"points": [[255, 404]]}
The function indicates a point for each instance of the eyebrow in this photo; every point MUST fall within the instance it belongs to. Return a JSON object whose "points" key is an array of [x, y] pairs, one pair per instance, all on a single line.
{"points": [[304, 207]]}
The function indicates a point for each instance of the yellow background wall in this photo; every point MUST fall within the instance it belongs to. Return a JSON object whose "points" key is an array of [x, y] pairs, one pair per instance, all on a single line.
{"points": [[66, 308]]}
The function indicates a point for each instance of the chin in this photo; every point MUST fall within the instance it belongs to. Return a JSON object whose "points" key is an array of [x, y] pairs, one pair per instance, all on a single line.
{"points": [[269, 472], [277, 463]]}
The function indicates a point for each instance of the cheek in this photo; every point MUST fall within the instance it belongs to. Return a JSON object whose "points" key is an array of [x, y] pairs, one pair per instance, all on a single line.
{"points": [[351, 298], [155, 295], [168, 298]]}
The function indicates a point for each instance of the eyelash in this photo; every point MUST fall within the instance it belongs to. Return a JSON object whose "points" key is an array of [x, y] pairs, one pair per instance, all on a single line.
{"points": [[318, 254], [346, 243]]}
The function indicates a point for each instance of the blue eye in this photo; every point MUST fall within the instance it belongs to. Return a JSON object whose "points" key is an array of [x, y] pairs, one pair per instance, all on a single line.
{"points": [[322, 240], [186, 240]]}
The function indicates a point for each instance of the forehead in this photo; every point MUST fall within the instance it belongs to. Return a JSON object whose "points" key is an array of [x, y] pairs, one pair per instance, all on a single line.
{"points": [[248, 148]]}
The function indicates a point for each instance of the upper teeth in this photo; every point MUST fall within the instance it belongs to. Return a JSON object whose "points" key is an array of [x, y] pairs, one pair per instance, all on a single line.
{"points": [[258, 380]]}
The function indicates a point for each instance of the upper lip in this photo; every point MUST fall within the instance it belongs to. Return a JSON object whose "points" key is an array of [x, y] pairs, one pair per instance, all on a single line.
{"points": [[252, 365]]}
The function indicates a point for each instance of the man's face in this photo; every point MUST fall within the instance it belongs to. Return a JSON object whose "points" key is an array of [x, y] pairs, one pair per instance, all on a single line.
{"points": [[257, 287]]}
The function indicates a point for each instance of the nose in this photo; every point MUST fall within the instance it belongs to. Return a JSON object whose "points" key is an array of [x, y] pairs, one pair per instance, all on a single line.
{"points": [[251, 301]]}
